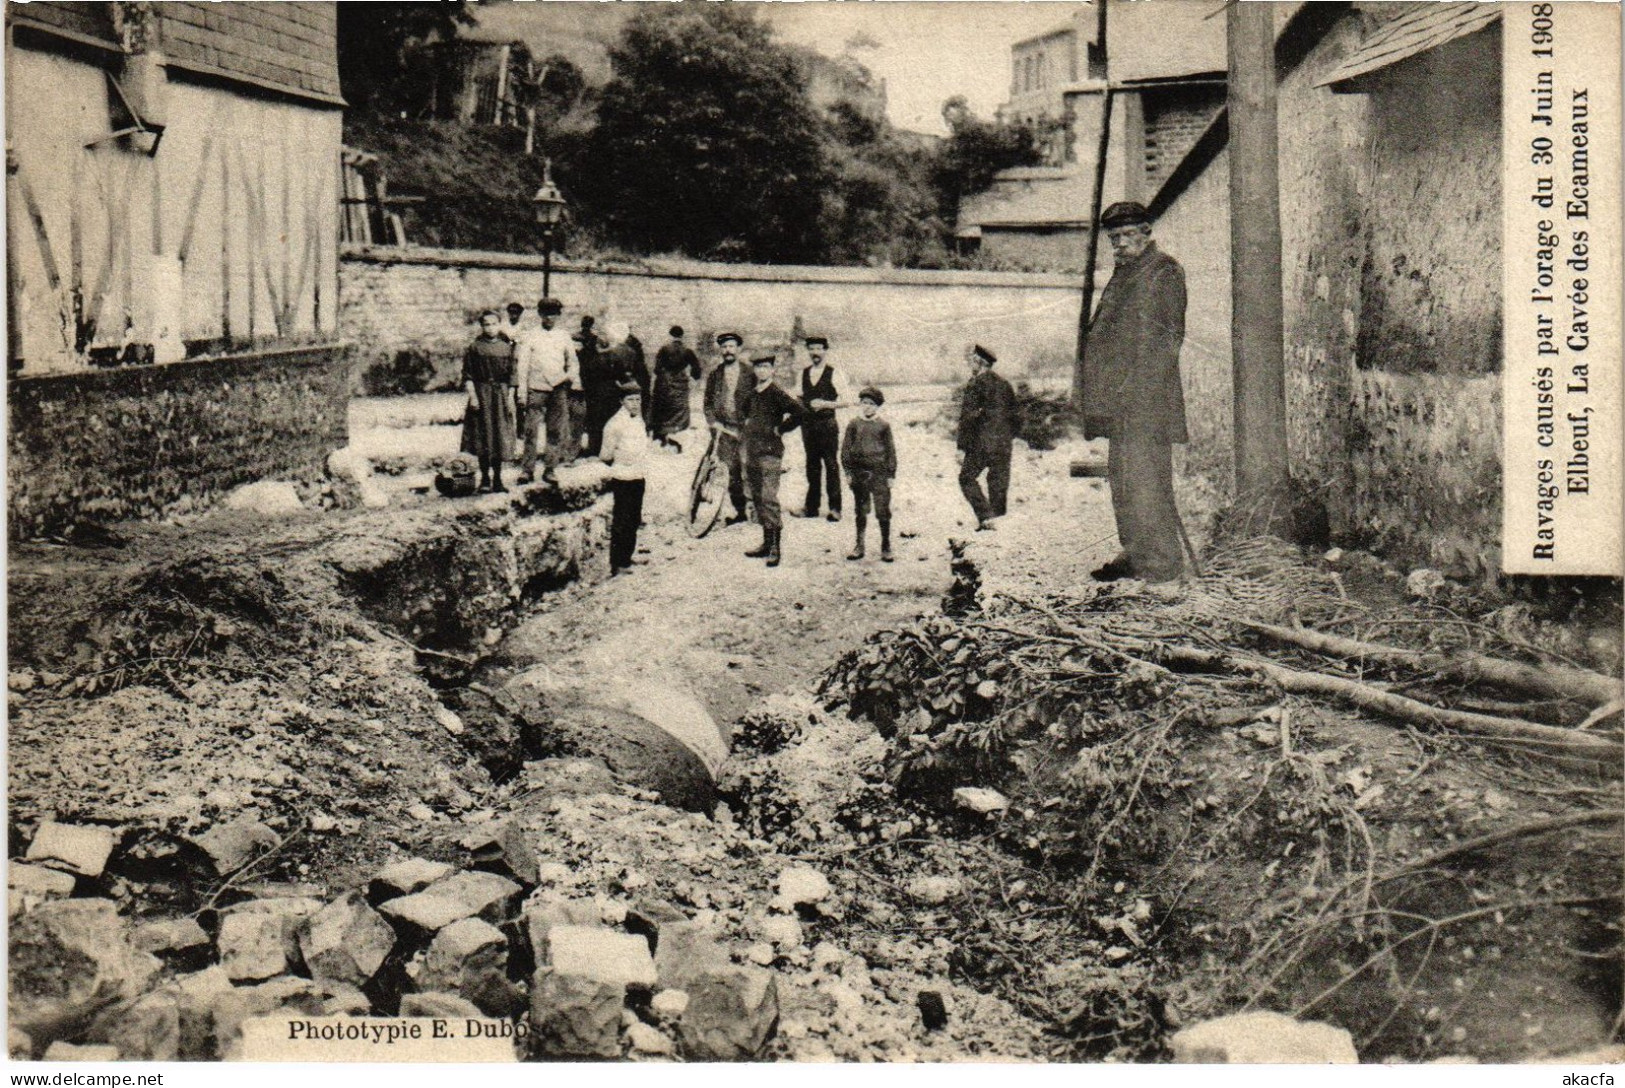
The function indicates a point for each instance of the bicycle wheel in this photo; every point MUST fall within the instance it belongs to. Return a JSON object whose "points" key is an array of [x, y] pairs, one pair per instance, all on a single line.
{"points": [[706, 495]]}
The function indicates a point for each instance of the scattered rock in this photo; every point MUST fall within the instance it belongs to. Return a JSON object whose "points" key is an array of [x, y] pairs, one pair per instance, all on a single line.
{"points": [[933, 1010], [782, 931], [981, 801], [258, 939], [420, 812], [147, 1029], [405, 877], [1263, 1038], [800, 884], [649, 1040], [22, 681], [69, 960], [439, 1006], [342, 999], [68, 1052], [234, 844], [266, 498], [19, 1047], [572, 1017], [169, 936], [470, 958], [346, 941], [935, 890], [730, 1016], [1424, 583], [449, 721], [229, 1010], [31, 885], [686, 950], [82, 849], [464, 895], [195, 995], [618, 959], [669, 1004]]}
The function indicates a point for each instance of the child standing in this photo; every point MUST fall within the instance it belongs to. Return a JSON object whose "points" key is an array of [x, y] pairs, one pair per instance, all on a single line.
{"points": [[626, 448], [870, 461]]}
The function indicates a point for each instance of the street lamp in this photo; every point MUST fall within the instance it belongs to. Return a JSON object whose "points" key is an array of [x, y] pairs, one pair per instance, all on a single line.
{"points": [[549, 204]]}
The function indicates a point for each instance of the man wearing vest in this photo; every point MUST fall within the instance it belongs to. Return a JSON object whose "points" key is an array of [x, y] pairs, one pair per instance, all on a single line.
{"points": [[820, 434], [727, 394], [1133, 395], [770, 414]]}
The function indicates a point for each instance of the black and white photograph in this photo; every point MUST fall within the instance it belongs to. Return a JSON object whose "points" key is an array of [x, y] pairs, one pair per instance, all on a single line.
{"points": [[741, 531]]}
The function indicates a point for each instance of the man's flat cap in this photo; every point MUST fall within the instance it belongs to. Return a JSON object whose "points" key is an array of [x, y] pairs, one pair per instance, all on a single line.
{"points": [[869, 392], [770, 359], [985, 355], [628, 388], [550, 307], [821, 341], [1125, 213], [676, 332], [724, 337]]}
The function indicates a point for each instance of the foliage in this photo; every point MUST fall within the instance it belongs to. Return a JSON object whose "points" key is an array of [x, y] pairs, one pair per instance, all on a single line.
{"points": [[975, 150], [706, 142], [374, 42]]}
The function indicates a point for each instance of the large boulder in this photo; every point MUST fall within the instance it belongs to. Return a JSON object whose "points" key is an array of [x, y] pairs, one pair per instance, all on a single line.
{"points": [[346, 941], [259, 939], [469, 958], [686, 950], [603, 955], [70, 959], [731, 1015], [76, 848], [1263, 1038], [574, 1018], [463, 895]]}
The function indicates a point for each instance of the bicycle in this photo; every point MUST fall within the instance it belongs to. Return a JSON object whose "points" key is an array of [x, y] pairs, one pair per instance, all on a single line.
{"points": [[709, 491]]}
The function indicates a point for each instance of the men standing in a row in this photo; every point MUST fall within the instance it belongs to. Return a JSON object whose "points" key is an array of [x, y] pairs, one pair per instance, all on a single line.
{"points": [[545, 375], [675, 365], [988, 422], [1134, 397], [820, 433], [727, 394], [770, 413]]}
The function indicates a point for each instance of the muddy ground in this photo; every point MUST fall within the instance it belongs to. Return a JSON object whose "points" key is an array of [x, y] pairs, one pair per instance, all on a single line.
{"points": [[289, 696]]}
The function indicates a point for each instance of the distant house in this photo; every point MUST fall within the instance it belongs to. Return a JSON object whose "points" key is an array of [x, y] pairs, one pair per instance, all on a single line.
{"points": [[1165, 62], [172, 223]]}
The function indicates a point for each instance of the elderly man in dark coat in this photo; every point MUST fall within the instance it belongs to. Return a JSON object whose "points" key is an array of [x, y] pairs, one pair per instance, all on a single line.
{"points": [[1133, 395], [988, 421]]}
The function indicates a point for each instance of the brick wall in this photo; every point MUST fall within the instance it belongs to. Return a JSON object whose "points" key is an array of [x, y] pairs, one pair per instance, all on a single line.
{"points": [[1390, 213], [1174, 120], [891, 325], [284, 46], [137, 442]]}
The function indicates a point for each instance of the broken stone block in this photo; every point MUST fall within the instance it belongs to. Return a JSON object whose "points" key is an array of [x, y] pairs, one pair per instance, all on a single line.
{"points": [[934, 890], [147, 1029], [463, 895], [295, 995], [346, 941], [619, 959], [1263, 1038], [68, 1052], [82, 849], [686, 950], [169, 936], [233, 844], [730, 1016], [649, 1040], [266, 498], [573, 1017], [195, 995], [800, 884], [783, 932], [71, 958], [669, 1004], [38, 881], [439, 1006], [466, 958], [408, 876], [342, 999], [541, 915], [259, 939], [981, 801]]}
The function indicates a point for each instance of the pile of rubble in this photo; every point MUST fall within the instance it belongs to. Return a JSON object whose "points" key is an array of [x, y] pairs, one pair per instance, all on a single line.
{"points": [[596, 923]]}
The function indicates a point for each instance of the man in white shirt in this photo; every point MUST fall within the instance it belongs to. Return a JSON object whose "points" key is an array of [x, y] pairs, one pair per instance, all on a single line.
{"points": [[544, 372], [627, 449]]}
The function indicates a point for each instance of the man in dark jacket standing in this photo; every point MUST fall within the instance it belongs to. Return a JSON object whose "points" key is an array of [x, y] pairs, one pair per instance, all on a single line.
{"points": [[1133, 395], [772, 413], [988, 422], [727, 396]]}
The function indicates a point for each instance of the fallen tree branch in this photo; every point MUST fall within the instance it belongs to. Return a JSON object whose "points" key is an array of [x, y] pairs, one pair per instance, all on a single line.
{"points": [[1551, 681], [1496, 838]]}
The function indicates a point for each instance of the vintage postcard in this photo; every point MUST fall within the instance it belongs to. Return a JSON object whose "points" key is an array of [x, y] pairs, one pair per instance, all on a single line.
{"points": [[909, 532]]}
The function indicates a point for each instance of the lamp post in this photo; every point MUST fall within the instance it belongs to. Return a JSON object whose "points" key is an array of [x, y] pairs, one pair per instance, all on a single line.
{"points": [[549, 205]]}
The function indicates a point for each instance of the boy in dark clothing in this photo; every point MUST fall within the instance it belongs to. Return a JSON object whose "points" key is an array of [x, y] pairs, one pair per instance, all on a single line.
{"points": [[770, 414], [870, 460]]}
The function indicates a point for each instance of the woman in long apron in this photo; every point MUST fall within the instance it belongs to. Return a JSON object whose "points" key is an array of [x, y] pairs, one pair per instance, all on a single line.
{"points": [[488, 423]]}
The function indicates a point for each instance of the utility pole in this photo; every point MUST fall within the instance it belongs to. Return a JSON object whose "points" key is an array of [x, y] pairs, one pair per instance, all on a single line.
{"points": [[1257, 330], [1102, 148]]}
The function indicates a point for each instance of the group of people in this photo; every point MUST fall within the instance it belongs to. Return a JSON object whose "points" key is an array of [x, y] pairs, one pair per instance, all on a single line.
{"points": [[581, 394]]}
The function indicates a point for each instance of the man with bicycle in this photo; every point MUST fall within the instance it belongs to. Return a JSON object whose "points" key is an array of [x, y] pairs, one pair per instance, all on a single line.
{"points": [[727, 400]]}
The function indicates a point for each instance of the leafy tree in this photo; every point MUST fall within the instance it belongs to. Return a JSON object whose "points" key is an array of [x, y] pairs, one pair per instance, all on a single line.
{"points": [[706, 142], [974, 151], [375, 40]]}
